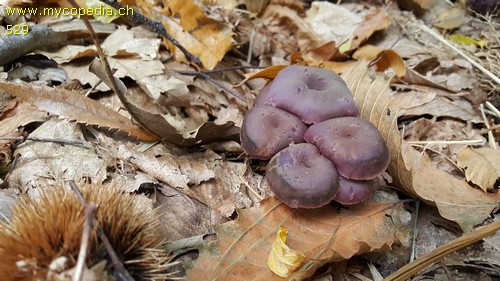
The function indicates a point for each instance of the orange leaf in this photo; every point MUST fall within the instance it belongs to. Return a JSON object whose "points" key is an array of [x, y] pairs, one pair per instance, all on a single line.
{"points": [[268, 73], [383, 59]]}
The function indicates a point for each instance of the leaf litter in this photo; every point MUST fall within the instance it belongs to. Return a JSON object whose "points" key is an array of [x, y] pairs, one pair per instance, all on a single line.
{"points": [[427, 111]]}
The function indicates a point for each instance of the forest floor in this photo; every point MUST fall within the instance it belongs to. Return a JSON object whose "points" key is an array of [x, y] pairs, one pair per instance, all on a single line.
{"points": [[163, 123]]}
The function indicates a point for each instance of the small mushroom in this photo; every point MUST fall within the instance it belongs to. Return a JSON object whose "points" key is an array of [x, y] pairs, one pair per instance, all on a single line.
{"points": [[301, 177], [354, 145], [313, 94], [353, 192], [267, 130]]}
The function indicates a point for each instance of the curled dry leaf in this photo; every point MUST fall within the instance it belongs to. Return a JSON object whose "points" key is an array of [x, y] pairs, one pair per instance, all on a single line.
{"points": [[482, 166], [410, 169], [74, 106], [383, 58], [282, 260], [323, 235]]}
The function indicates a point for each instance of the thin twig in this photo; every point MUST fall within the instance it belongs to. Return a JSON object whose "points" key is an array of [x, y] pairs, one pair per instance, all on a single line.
{"points": [[157, 27], [462, 54], [204, 74], [121, 271], [464, 142], [491, 137], [222, 86], [446, 270], [90, 210], [415, 231], [231, 68], [60, 141]]}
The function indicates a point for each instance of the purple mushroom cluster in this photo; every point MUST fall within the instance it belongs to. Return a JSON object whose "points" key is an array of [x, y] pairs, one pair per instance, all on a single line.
{"points": [[306, 122]]}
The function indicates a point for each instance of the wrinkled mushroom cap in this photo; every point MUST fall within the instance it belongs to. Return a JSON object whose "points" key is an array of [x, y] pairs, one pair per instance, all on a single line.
{"points": [[355, 146], [353, 192], [267, 130], [300, 176], [313, 94]]}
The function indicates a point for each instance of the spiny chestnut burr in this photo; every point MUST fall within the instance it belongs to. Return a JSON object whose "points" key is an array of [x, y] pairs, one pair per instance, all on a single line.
{"points": [[45, 230], [342, 153]]}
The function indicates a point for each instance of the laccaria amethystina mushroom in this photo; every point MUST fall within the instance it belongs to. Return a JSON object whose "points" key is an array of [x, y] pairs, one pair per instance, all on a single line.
{"points": [[267, 130], [312, 94], [355, 146], [353, 191], [342, 155], [300, 176]]}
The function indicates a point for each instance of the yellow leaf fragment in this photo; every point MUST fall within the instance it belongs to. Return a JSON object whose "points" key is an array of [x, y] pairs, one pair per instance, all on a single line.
{"points": [[466, 40], [482, 166], [282, 260]]}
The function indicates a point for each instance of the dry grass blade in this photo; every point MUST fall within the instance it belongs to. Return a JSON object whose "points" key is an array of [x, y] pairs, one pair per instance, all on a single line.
{"points": [[73, 106]]}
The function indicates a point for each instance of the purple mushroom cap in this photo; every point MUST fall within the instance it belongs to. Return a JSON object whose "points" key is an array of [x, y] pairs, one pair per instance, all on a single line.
{"points": [[313, 94], [354, 145], [263, 94], [267, 130], [353, 192], [301, 177]]}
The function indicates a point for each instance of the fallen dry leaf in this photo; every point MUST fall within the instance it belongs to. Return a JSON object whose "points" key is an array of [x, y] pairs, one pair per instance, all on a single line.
{"points": [[442, 106], [455, 199], [482, 166], [204, 37], [409, 168], [290, 32], [74, 107], [323, 235], [451, 18], [45, 163], [378, 20], [323, 15], [383, 59], [183, 132], [20, 115]]}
